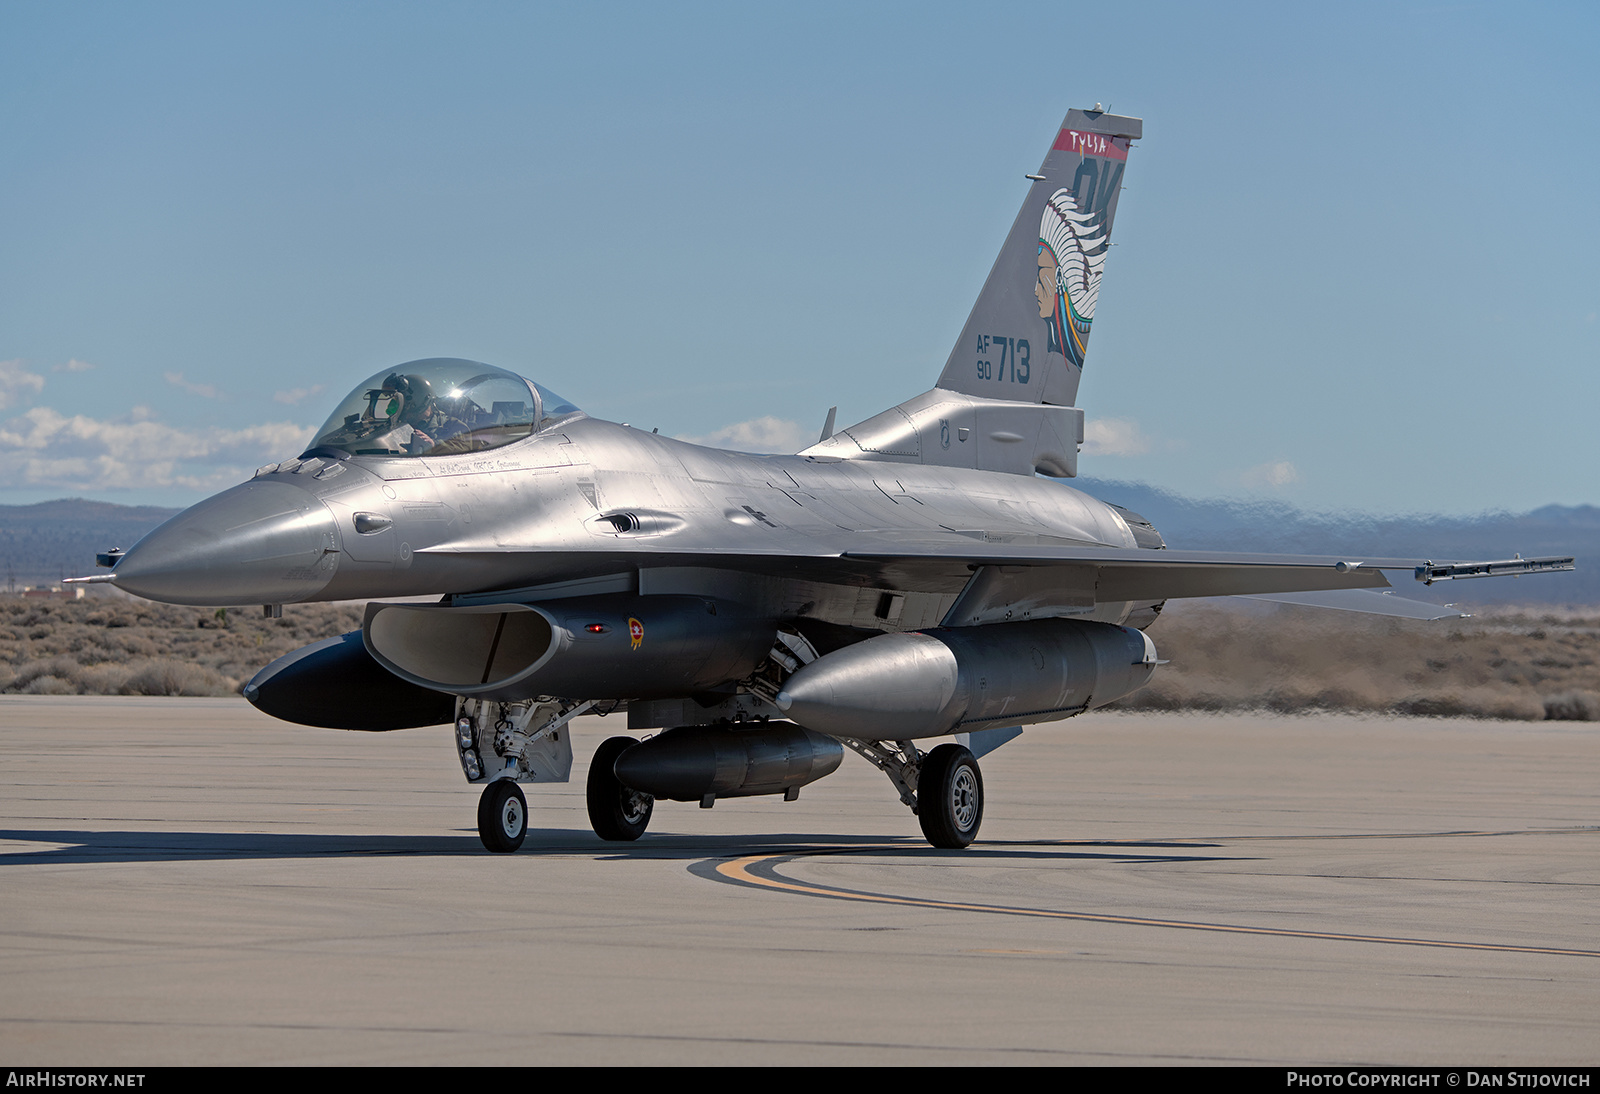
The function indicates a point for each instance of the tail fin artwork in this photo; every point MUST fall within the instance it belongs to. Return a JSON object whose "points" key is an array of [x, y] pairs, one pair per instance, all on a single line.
{"points": [[1007, 391], [1027, 334]]}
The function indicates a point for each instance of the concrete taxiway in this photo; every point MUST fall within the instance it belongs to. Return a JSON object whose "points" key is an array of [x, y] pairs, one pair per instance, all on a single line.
{"points": [[187, 881]]}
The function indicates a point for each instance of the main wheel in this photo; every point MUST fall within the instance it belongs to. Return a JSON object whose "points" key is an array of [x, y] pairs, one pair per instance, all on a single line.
{"points": [[615, 811], [502, 816], [950, 797]]}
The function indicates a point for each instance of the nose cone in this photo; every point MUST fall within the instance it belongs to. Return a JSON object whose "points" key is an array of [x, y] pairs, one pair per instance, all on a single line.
{"points": [[260, 543]]}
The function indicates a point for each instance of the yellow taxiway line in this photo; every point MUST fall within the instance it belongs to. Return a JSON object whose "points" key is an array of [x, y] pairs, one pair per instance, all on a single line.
{"points": [[740, 871]]}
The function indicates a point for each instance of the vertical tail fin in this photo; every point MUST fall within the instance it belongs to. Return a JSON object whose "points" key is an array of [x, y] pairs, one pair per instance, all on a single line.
{"points": [[1027, 334], [1025, 339]]}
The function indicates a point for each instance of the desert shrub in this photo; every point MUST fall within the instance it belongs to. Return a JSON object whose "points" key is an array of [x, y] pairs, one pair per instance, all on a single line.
{"points": [[63, 671], [101, 679], [1291, 660], [1474, 702], [1573, 706], [49, 685], [173, 678]]}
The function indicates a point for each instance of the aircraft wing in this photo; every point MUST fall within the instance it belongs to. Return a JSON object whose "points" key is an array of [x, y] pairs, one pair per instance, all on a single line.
{"points": [[1131, 573], [1120, 573], [1049, 573], [1124, 573]]}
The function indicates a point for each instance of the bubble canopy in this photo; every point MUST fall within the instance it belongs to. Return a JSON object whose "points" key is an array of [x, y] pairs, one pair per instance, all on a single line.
{"points": [[442, 406]]}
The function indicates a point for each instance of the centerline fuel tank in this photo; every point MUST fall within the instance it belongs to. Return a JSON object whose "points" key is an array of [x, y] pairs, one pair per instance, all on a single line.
{"points": [[728, 761]]}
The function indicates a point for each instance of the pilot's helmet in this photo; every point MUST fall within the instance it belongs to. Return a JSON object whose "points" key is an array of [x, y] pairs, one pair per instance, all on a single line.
{"points": [[415, 399]]}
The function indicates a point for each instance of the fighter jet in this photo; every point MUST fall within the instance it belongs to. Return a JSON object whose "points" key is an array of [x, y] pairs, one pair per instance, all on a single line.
{"points": [[923, 574]]}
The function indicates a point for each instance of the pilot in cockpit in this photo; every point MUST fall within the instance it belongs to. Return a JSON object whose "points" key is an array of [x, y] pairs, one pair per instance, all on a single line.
{"points": [[438, 407], [407, 404]]}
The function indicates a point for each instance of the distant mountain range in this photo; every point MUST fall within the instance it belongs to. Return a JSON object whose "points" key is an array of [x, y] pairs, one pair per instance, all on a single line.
{"points": [[1274, 526], [52, 539], [44, 542]]}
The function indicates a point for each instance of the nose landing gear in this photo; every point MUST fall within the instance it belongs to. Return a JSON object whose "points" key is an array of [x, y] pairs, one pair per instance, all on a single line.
{"points": [[502, 816]]}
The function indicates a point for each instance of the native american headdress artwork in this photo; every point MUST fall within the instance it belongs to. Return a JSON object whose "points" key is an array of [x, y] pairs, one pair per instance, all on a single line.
{"points": [[1073, 245]]}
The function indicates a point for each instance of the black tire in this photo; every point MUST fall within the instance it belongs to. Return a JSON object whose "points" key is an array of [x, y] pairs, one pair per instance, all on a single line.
{"points": [[502, 817], [950, 797], [615, 812]]}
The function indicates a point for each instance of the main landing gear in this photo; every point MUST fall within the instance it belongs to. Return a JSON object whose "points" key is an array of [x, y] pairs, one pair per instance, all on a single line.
{"points": [[616, 812], [950, 796], [943, 788]]}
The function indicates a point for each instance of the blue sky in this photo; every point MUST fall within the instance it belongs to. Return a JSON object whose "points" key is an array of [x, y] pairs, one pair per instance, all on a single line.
{"points": [[1356, 265]]}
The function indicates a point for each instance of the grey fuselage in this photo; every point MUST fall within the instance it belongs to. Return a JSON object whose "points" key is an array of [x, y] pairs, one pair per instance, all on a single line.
{"points": [[588, 505]]}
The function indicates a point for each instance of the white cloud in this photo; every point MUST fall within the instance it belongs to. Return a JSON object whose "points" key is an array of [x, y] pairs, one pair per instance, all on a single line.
{"points": [[1275, 475], [1113, 437], [73, 365], [765, 434], [297, 395], [17, 382], [46, 448], [205, 391]]}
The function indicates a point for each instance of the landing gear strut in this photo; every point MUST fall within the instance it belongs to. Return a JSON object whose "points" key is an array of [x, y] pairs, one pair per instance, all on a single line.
{"points": [[502, 816], [943, 788], [616, 811], [950, 796]]}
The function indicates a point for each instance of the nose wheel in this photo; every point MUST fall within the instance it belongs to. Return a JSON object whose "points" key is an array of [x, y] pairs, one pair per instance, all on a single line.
{"points": [[950, 797], [502, 817]]}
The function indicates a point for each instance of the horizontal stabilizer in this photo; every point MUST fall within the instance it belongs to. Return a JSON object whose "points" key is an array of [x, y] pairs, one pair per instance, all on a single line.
{"points": [[1370, 601]]}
